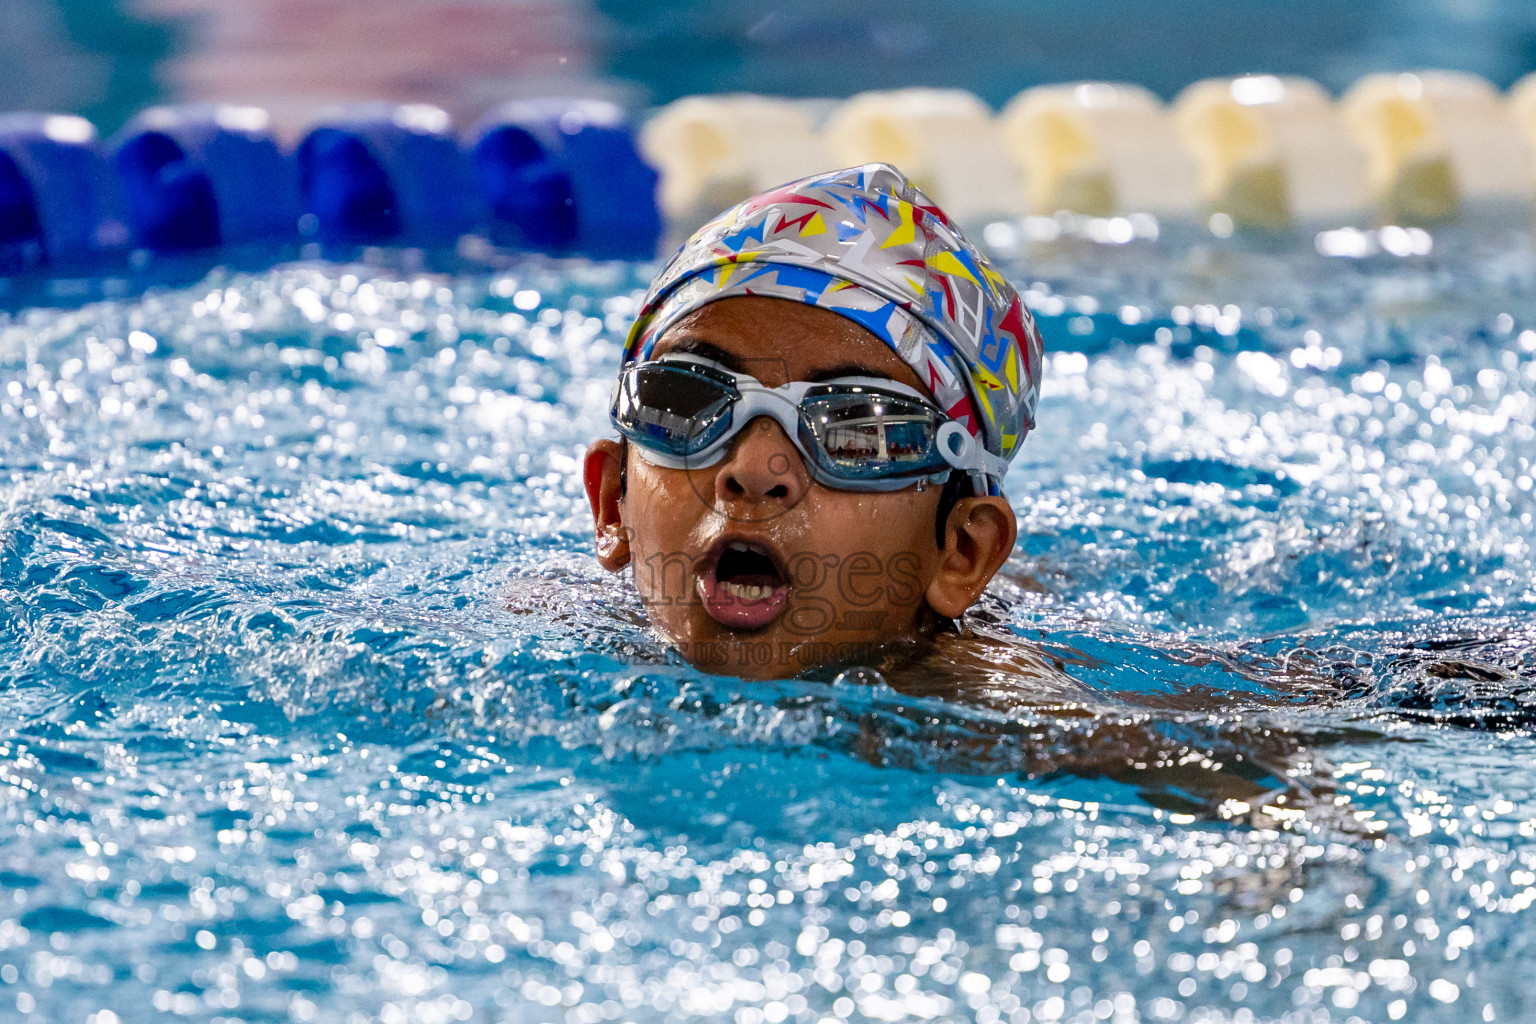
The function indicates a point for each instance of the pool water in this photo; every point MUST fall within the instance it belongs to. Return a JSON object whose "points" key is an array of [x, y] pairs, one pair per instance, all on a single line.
{"points": [[318, 706]]}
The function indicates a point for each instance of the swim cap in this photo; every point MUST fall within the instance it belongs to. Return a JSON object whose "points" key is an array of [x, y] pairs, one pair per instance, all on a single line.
{"points": [[865, 243]]}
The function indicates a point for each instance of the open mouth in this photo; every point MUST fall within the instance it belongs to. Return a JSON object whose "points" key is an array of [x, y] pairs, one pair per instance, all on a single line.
{"points": [[742, 585]]}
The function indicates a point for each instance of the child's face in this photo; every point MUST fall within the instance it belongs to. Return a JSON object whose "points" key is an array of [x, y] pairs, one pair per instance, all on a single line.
{"points": [[750, 566]]}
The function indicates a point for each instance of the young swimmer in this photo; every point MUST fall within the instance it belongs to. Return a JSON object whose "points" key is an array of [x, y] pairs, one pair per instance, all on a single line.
{"points": [[816, 408]]}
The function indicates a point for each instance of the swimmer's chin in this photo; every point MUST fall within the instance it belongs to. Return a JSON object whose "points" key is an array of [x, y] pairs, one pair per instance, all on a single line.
{"points": [[766, 654]]}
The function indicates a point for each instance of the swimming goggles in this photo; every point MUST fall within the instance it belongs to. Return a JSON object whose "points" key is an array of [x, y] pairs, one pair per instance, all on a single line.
{"points": [[855, 433]]}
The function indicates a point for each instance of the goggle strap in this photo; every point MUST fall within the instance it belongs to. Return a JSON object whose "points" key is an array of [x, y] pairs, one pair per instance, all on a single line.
{"points": [[965, 452]]}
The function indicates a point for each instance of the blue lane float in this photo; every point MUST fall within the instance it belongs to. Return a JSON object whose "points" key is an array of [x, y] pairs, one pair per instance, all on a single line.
{"points": [[564, 176], [558, 176], [204, 175], [51, 187], [378, 174]]}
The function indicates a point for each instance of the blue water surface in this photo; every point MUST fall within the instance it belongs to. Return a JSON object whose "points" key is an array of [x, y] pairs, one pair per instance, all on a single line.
{"points": [[318, 707]]}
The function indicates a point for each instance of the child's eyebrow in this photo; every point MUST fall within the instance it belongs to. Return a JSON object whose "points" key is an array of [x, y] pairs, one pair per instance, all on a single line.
{"points": [[846, 370], [714, 353], [734, 363]]}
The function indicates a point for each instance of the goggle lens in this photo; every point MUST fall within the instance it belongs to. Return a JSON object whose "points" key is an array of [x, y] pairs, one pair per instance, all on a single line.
{"points": [[865, 434], [675, 409]]}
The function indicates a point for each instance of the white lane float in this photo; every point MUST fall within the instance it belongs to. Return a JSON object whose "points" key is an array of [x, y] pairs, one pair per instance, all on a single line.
{"points": [[1440, 143], [946, 141], [714, 151], [1272, 151], [1522, 106], [1097, 148]]}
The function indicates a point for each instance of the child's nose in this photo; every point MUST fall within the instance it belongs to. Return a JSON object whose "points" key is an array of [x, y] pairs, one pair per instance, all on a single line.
{"points": [[763, 466]]}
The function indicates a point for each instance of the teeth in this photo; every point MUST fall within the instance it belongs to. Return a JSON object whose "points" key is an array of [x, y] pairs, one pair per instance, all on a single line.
{"points": [[744, 592]]}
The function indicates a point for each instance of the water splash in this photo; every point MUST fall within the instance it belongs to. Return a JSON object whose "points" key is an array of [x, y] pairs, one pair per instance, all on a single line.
{"points": [[318, 704]]}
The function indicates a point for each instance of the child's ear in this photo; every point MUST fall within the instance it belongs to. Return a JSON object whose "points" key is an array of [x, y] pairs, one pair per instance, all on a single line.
{"points": [[978, 538], [602, 473]]}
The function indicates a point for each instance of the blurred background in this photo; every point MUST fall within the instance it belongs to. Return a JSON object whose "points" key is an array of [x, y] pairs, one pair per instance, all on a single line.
{"points": [[108, 58]]}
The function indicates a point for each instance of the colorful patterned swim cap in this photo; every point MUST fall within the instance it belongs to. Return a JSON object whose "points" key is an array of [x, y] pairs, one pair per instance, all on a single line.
{"points": [[865, 243]]}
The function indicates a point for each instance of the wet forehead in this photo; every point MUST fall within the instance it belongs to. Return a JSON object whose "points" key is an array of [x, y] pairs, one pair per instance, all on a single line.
{"points": [[778, 340]]}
